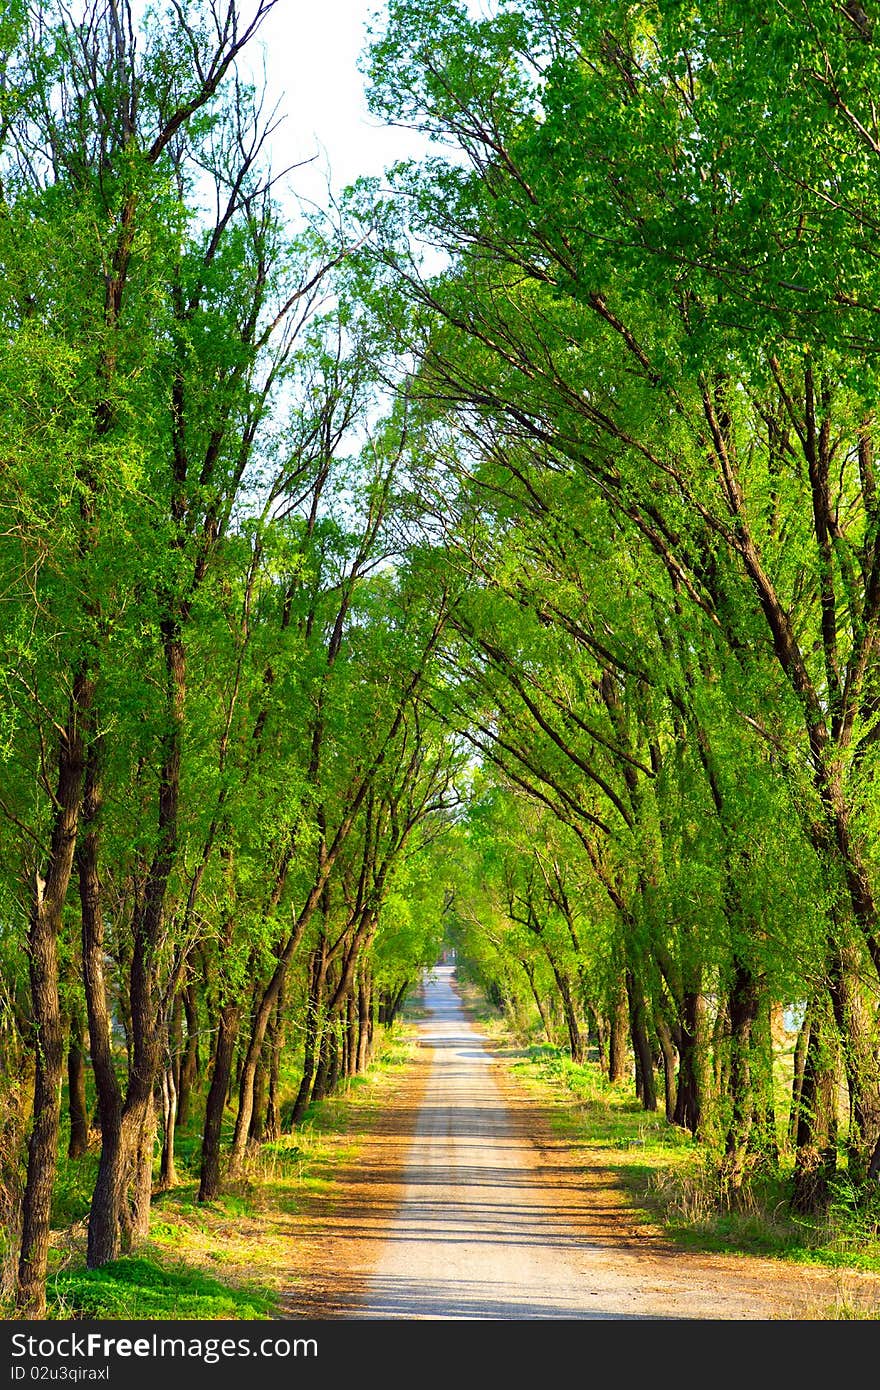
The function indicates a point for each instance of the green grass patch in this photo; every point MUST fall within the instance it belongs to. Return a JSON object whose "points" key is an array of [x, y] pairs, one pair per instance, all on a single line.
{"points": [[143, 1287]]}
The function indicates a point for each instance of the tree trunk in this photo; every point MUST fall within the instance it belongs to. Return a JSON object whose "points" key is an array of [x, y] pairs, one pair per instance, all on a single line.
{"points": [[721, 1048], [108, 1223], [258, 1114], [215, 1105], [43, 1141], [617, 1043], [350, 1051], [76, 1091], [261, 1022], [189, 1066], [320, 1085], [667, 1047], [317, 972], [167, 1171], [816, 1155], [640, 1041], [365, 1020], [743, 1010], [272, 1128], [542, 1014], [47, 908], [797, 1080], [335, 1054], [764, 1131], [120, 1210], [142, 1180], [575, 1036], [689, 1097], [393, 998], [857, 1030], [109, 1233], [601, 1036], [175, 1042]]}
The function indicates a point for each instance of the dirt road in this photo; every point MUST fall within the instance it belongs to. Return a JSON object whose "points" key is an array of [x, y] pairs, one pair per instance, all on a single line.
{"points": [[464, 1205]]}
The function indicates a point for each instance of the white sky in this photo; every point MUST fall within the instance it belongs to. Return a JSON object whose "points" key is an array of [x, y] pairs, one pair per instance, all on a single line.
{"points": [[311, 50]]}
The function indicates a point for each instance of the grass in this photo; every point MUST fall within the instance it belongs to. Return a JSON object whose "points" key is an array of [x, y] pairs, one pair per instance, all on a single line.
{"points": [[230, 1258], [144, 1287]]}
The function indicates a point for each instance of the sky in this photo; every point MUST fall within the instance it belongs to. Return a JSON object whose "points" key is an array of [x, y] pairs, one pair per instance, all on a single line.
{"points": [[311, 49]]}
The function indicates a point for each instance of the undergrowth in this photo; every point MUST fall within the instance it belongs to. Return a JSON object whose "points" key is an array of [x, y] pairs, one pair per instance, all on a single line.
{"points": [[682, 1185]]}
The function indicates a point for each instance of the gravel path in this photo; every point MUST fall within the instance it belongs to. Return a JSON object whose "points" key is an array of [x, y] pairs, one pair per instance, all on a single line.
{"points": [[465, 1205]]}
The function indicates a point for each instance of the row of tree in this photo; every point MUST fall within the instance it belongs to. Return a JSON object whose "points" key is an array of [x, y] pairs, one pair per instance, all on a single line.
{"points": [[217, 757], [646, 404]]}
